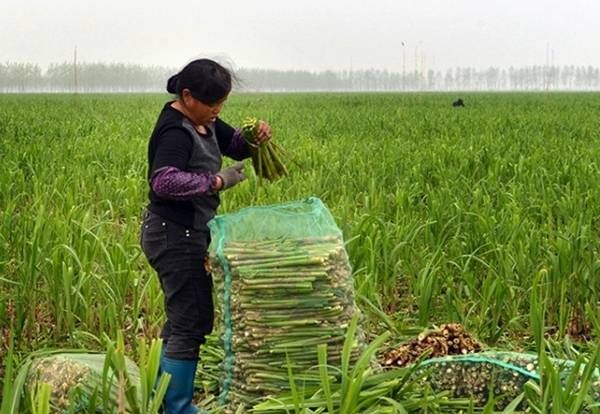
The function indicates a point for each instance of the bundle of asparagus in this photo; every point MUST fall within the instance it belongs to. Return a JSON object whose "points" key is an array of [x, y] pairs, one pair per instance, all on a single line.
{"points": [[286, 297], [266, 157]]}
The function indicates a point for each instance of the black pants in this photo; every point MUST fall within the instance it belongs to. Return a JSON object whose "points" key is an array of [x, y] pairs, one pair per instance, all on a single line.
{"points": [[177, 254]]}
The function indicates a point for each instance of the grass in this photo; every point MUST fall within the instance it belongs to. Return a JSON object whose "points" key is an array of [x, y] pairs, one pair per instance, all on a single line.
{"points": [[487, 215]]}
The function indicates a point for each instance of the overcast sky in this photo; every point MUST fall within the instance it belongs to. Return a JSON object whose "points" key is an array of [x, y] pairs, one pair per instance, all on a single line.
{"points": [[306, 34]]}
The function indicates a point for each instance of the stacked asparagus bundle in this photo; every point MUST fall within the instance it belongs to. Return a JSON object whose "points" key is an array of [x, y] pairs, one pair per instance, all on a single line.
{"points": [[286, 297], [266, 157]]}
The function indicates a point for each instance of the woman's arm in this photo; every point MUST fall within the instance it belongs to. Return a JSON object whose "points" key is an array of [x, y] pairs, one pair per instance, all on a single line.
{"points": [[231, 141], [172, 183]]}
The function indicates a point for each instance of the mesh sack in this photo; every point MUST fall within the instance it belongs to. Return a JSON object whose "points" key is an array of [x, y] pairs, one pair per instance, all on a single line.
{"points": [[479, 375], [284, 284], [76, 380]]}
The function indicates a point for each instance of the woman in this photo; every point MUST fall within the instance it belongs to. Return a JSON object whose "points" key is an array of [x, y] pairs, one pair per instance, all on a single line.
{"points": [[185, 177]]}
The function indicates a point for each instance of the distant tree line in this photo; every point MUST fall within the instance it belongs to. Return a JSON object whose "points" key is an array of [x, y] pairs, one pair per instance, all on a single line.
{"points": [[84, 77], [530, 78], [120, 77]]}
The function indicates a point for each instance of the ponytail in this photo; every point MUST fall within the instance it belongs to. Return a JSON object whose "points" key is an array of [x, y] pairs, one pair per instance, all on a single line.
{"points": [[172, 83]]}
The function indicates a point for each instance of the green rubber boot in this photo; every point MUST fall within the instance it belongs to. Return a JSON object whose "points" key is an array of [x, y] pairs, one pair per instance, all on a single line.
{"points": [[178, 398]]}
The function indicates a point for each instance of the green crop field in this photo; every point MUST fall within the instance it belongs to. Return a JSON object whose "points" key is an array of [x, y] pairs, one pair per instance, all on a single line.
{"points": [[487, 215]]}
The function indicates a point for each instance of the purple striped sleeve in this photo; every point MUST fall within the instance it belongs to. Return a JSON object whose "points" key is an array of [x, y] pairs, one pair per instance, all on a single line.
{"points": [[238, 147], [174, 184]]}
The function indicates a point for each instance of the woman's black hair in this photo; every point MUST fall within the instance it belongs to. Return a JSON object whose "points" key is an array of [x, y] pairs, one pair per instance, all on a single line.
{"points": [[207, 80]]}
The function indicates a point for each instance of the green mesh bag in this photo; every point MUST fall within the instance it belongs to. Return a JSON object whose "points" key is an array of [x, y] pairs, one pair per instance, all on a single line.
{"points": [[284, 286], [295, 220], [76, 380], [501, 374]]}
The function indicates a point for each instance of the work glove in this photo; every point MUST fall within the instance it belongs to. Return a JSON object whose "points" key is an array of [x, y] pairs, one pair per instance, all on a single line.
{"points": [[230, 176]]}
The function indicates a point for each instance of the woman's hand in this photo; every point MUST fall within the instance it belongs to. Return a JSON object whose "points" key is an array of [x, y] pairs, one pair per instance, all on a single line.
{"points": [[263, 134]]}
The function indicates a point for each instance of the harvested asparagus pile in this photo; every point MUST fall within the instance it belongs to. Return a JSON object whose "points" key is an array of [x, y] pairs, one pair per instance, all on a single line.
{"points": [[208, 373], [286, 297], [449, 339], [266, 157]]}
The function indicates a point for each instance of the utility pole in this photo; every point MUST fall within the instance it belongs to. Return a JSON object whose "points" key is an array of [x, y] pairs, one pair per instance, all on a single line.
{"points": [[417, 59], [403, 65], [351, 75], [546, 66], [75, 75], [417, 72], [552, 71]]}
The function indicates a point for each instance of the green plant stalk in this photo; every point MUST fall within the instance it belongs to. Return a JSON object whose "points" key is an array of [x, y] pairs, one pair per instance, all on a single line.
{"points": [[40, 402], [325, 377]]}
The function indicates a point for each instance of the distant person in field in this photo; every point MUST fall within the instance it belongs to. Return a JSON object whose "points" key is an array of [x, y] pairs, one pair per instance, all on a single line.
{"points": [[458, 103], [186, 179]]}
